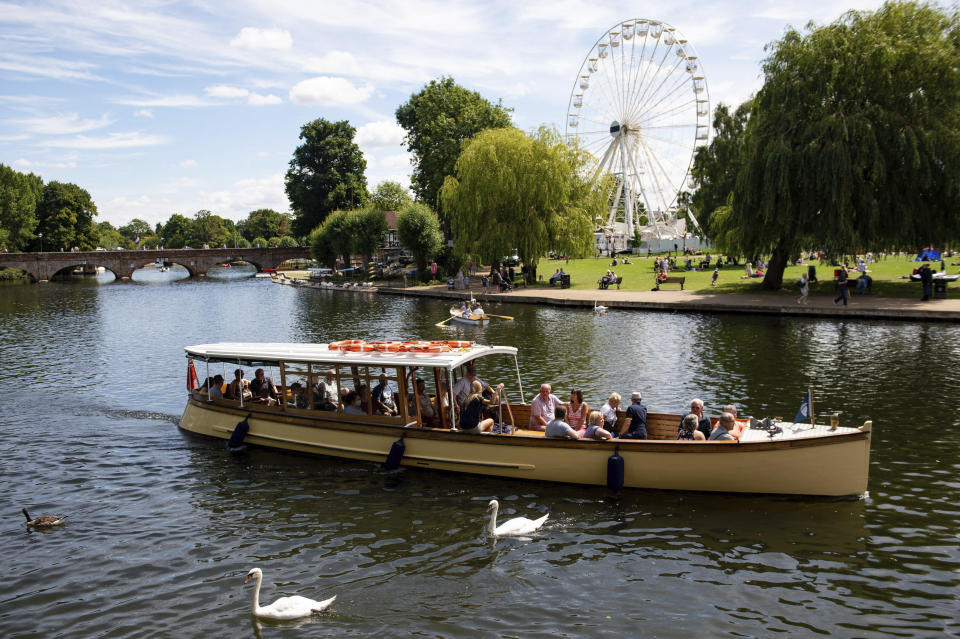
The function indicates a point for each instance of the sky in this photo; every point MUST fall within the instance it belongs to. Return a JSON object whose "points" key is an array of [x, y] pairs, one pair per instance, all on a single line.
{"points": [[163, 107]]}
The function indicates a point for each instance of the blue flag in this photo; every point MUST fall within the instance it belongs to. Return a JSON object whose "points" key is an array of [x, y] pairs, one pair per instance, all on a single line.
{"points": [[804, 413]]}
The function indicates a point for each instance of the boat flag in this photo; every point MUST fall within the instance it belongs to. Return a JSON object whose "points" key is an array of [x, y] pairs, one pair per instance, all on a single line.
{"points": [[192, 381], [804, 413]]}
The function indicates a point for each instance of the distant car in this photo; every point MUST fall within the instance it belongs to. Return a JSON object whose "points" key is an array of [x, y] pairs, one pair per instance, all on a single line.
{"points": [[510, 260]]}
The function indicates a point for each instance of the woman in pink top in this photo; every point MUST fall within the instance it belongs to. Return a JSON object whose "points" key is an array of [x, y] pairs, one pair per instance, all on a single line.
{"points": [[577, 412]]}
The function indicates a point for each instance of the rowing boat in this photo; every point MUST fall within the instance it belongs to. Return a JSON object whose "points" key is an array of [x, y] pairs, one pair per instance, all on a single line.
{"points": [[473, 319], [795, 459]]}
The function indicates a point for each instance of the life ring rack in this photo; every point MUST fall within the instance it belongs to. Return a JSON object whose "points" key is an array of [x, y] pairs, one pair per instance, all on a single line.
{"points": [[412, 346]]}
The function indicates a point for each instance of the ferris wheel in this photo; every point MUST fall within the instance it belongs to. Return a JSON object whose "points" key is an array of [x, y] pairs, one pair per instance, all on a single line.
{"points": [[640, 107]]}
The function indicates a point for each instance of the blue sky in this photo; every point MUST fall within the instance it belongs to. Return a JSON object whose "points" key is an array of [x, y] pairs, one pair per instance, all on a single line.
{"points": [[170, 107]]}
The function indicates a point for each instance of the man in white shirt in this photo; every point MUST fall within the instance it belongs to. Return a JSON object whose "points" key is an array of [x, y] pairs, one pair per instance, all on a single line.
{"points": [[462, 388]]}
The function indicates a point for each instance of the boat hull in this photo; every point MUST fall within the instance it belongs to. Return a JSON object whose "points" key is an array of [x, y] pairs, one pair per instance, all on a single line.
{"points": [[828, 465]]}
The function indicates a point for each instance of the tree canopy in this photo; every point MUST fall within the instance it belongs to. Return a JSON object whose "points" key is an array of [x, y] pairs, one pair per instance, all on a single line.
{"points": [[418, 230], [523, 193], [438, 119], [852, 141], [335, 237], [369, 228], [265, 223], [326, 173], [389, 196], [65, 215], [19, 195]]}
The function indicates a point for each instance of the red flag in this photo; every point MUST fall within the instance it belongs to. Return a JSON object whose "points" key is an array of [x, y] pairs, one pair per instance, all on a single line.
{"points": [[193, 382]]}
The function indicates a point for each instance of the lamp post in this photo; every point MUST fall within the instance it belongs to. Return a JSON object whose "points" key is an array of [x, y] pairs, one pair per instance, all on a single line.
{"points": [[40, 235]]}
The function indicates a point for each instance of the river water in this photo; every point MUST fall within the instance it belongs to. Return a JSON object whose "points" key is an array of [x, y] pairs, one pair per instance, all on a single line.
{"points": [[163, 526]]}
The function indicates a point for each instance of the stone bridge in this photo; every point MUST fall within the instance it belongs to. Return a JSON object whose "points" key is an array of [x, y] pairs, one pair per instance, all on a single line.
{"points": [[43, 266]]}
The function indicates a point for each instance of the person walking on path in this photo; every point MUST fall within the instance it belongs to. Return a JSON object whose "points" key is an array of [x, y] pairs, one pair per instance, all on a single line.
{"points": [[716, 274], [842, 286], [804, 289], [926, 280]]}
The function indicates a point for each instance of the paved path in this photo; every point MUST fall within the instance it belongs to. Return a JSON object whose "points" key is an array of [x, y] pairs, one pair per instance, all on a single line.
{"points": [[861, 306]]}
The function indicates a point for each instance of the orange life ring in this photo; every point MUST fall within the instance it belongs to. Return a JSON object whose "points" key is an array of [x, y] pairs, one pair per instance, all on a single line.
{"points": [[362, 347], [453, 343], [388, 347]]}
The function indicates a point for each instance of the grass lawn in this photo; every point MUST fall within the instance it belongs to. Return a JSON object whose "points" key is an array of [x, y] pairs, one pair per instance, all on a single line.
{"points": [[638, 276]]}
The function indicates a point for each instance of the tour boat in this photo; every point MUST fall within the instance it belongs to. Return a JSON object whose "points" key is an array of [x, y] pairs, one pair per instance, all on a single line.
{"points": [[779, 458], [473, 319]]}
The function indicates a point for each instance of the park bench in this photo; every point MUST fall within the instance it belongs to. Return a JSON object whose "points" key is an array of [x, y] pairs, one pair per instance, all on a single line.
{"points": [[605, 285], [565, 281], [671, 280]]}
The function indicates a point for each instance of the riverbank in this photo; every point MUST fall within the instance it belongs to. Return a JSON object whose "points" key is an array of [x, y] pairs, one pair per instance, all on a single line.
{"points": [[860, 306]]}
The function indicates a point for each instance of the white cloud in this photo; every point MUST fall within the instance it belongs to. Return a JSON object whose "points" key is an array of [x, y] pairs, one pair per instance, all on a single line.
{"points": [[179, 100], [47, 67], [188, 163], [111, 141], [327, 91], [339, 62], [62, 124], [143, 113], [397, 161], [227, 92], [247, 195], [379, 134], [256, 99], [25, 163], [258, 39]]}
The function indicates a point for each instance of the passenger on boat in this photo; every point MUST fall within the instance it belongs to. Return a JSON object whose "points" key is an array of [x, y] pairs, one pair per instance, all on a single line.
{"points": [[463, 386], [722, 431], [595, 429], [325, 392], [298, 396], [351, 403], [577, 412], [364, 392], [688, 429], [478, 310], [383, 398], [216, 386], [609, 411], [635, 422], [428, 414], [543, 408], [465, 309], [264, 392], [471, 418], [239, 387], [559, 429], [737, 429], [703, 423]]}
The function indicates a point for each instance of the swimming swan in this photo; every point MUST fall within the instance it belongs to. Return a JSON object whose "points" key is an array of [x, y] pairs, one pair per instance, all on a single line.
{"points": [[44, 521], [514, 527], [285, 607]]}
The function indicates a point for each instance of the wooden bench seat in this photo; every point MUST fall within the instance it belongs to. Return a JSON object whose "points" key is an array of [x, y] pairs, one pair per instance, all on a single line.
{"points": [[671, 279], [602, 285]]}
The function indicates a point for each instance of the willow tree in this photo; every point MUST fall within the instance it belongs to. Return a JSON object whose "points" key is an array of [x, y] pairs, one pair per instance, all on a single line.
{"points": [[853, 141], [335, 237], [523, 193]]}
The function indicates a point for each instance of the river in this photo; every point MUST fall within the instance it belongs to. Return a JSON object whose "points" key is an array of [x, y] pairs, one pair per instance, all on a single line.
{"points": [[163, 526]]}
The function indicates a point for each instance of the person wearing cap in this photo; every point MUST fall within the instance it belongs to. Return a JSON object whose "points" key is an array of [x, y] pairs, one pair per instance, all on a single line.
{"points": [[635, 421]]}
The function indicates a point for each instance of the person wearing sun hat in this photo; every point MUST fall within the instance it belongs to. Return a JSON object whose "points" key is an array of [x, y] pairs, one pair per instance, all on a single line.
{"points": [[635, 421]]}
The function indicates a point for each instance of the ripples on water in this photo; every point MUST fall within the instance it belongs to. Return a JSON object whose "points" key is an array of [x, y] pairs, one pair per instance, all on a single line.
{"points": [[163, 527]]}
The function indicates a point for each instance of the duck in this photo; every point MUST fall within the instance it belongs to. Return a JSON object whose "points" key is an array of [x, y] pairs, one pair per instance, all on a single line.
{"points": [[515, 527], [44, 521], [599, 310], [294, 607]]}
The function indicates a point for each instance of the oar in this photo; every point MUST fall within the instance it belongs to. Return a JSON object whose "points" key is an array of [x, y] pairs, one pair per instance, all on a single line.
{"points": [[444, 321], [506, 317]]}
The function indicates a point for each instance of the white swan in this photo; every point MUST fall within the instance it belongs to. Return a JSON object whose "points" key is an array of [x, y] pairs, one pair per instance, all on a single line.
{"points": [[514, 527], [285, 607], [599, 310]]}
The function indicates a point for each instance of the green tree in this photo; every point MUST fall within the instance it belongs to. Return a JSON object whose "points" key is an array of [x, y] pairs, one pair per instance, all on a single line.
{"points": [[335, 237], [438, 120], [109, 237], [852, 142], [286, 241], [176, 231], [136, 228], [418, 230], [326, 173], [369, 229], [265, 223], [717, 165], [210, 229], [19, 195], [259, 242], [521, 192], [389, 196], [65, 215]]}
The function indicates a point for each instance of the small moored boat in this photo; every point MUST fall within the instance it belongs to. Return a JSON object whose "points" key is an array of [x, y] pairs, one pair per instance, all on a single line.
{"points": [[326, 407], [473, 319]]}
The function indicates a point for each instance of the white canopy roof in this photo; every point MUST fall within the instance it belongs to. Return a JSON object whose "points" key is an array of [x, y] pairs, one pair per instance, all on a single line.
{"points": [[321, 354]]}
